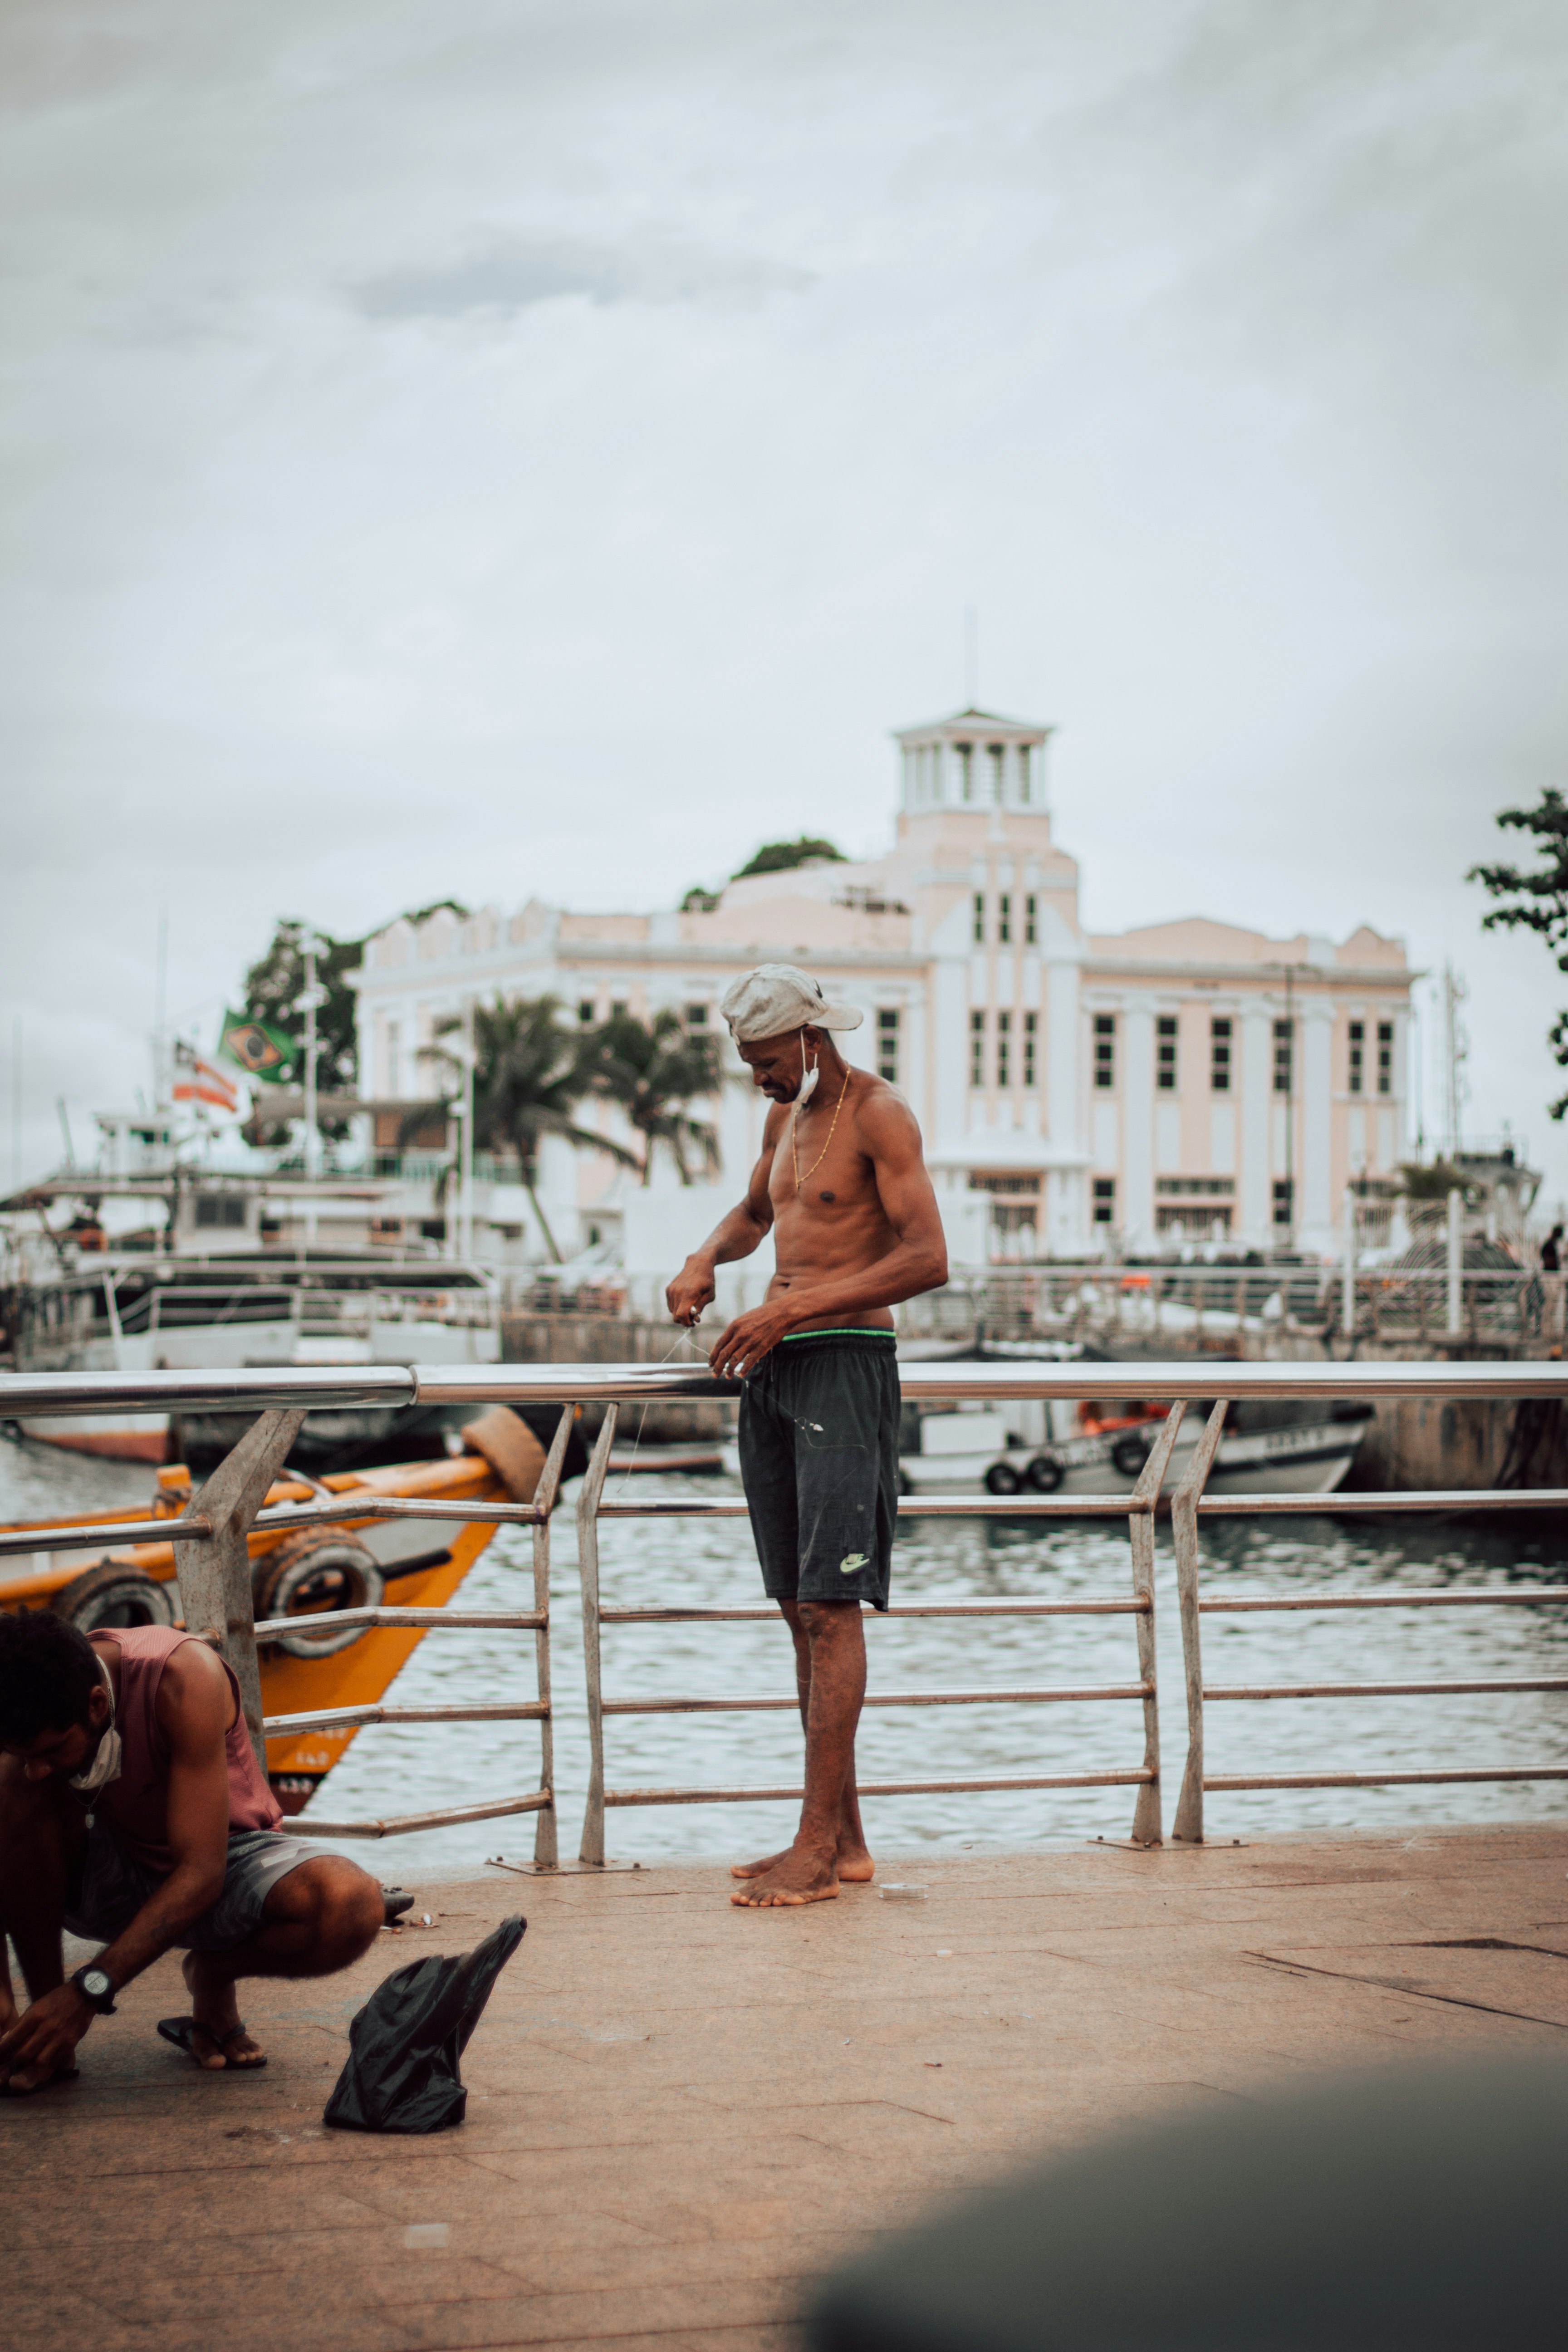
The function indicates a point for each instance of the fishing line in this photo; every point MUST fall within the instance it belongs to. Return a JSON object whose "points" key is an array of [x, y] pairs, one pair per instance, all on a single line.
{"points": [[680, 1338]]}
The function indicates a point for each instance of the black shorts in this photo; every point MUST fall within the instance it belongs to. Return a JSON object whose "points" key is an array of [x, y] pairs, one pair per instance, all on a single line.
{"points": [[819, 1456]]}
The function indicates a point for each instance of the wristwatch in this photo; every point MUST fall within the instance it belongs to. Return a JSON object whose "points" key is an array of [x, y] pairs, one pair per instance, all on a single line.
{"points": [[97, 1986]]}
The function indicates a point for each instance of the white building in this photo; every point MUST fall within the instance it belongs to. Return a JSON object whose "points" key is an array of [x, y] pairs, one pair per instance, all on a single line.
{"points": [[1077, 1092]]}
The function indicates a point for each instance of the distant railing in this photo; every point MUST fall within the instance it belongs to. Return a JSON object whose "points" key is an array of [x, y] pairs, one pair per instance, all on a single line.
{"points": [[213, 1570]]}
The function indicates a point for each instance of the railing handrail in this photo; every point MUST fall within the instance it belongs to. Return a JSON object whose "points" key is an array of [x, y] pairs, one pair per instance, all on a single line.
{"points": [[340, 1387]]}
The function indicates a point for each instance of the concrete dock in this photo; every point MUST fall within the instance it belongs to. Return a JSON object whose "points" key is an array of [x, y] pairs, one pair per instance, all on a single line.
{"points": [[680, 2113]]}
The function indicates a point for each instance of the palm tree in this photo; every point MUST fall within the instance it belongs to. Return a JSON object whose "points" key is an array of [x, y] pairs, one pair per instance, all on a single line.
{"points": [[528, 1081], [654, 1069]]}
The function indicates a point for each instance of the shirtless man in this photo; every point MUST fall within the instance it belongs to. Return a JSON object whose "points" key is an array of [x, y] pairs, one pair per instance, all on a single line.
{"points": [[132, 1811], [842, 1189]]}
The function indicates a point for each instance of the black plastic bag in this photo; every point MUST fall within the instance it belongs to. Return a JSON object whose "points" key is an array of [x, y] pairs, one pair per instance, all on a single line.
{"points": [[405, 2044]]}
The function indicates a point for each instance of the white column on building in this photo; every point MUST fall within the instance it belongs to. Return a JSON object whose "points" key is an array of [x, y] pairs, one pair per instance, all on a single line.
{"points": [[1137, 1205], [1315, 1226], [1255, 1077], [948, 1056]]}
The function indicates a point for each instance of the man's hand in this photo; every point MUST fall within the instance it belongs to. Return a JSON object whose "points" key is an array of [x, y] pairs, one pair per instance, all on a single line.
{"points": [[43, 2041], [743, 1343], [691, 1291]]}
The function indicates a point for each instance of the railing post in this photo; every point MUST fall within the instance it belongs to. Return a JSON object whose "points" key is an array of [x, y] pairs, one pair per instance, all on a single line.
{"points": [[1188, 1828], [546, 1846], [214, 1577], [1148, 1818], [593, 1846]]}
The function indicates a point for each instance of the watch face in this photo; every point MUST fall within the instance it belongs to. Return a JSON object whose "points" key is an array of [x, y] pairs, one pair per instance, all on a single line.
{"points": [[95, 1984]]}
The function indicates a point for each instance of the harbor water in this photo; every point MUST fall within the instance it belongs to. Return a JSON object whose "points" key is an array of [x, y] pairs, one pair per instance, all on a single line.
{"points": [[395, 1769]]}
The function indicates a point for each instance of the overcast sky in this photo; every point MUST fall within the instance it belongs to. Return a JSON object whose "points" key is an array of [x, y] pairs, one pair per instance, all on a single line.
{"points": [[494, 447]]}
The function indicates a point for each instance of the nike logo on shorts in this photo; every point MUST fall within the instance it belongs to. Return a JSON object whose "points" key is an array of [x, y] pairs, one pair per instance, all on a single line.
{"points": [[851, 1561]]}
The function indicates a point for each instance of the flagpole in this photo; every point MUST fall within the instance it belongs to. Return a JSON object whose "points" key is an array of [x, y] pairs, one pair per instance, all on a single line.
{"points": [[465, 1231], [312, 1138]]}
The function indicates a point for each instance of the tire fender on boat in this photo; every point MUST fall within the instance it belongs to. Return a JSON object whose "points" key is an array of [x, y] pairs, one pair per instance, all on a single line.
{"points": [[317, 1570], [511, 1448]]}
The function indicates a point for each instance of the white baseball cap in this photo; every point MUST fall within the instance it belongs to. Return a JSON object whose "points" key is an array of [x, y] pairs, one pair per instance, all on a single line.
{"points": [[778, 997]]}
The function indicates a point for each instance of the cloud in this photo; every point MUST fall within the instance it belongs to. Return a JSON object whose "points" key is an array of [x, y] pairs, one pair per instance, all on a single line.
{"points": [[509, 275]]}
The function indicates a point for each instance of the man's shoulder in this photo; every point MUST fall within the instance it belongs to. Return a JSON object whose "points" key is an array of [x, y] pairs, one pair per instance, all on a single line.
{"points": [[194, 1687], [883, 1115]]}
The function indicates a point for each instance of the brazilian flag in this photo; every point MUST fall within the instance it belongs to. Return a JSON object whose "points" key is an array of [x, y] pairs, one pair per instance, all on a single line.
{"points": [[262, 1050]]}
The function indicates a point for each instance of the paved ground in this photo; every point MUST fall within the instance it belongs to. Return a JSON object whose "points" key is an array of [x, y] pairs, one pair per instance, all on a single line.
{"points": [[679, 2113]]}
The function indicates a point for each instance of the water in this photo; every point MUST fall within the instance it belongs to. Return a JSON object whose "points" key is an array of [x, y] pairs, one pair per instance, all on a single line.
{"points": [[394, 1770]]}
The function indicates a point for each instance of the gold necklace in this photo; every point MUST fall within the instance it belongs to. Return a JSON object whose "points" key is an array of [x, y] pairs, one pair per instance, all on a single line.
{"points": [[794, 1122]]}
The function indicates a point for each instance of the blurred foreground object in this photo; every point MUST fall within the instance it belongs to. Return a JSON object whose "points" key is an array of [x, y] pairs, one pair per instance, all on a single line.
{"points": [[1413, 2211]]}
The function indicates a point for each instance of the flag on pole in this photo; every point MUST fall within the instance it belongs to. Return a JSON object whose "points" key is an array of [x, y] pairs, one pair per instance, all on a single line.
{"points": [[199, 1082], [262, 1050]]}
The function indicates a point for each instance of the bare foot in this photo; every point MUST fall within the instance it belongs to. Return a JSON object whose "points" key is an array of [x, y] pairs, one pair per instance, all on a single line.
{"points": [[219, 2041], [856, 1867], [803, 1874]]}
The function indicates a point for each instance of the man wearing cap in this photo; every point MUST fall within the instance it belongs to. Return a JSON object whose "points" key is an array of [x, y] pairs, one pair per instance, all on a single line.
{"points": [[841, 1186]]}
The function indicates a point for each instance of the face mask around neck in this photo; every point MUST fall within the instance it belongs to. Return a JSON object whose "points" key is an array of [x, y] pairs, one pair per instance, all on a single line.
{"points": [[807, 1077], [105, 1766]]}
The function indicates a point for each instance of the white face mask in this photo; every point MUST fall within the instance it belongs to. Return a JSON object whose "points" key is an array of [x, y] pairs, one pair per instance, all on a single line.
{"points": [[807, 1087], [105, 1766]]}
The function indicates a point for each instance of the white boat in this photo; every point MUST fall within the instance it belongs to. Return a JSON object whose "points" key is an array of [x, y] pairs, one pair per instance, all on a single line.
{"points": [[137, 1313], [1266, 1452]]}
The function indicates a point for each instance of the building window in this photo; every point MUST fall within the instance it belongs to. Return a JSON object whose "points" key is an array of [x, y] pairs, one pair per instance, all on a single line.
{"points": [[225, 1210], [1026, 778], [585, 1011], [977, 1049], [1003, 1048], [1199, 1206], [393, 1057], [997, 755], [887, 1045], [1357, 1055], [1165, 1053], [1284, 1201], [1105, 1200], [1385, 1057], [1284, 1057], [1004, 920], [697, 1016], [979, 919], [1031, 922], [1031, 1024], [965, 754], [1219, 1054], [1105, 1050], [618, 1011]]}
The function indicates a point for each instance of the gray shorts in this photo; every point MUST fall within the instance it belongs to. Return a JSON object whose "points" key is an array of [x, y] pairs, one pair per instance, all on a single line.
{"points": [[819, 1456], [113, 1886]]}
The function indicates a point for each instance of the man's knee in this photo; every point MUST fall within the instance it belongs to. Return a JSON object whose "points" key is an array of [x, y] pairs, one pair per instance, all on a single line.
{"points": [[820, 1619], [342, 1904]]}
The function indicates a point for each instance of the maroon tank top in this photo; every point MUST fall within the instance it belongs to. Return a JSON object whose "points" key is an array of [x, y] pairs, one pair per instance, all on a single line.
{"points": [[136, 1806]]}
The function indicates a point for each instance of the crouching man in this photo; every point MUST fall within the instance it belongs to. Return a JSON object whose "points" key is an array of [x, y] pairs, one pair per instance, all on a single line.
{"points": [[132, 1811]]}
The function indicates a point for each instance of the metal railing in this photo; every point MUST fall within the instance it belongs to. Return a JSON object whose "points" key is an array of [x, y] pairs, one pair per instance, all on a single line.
{"points": [[1190, 1500], [213, 1564], [1138, 1508]]}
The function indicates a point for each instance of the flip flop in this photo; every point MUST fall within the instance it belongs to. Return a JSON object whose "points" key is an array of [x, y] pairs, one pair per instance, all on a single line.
{"points": [[60, 2074], [180, 2030]]}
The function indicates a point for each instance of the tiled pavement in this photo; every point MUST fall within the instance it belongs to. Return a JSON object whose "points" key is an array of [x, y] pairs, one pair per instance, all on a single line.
{"points": [[680, 2113]]}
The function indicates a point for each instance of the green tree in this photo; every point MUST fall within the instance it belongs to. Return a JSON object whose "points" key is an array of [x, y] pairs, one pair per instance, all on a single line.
{"points": [[654, 1070], [273, 988], [779, 857], [529, 1079], [1536, 900]]}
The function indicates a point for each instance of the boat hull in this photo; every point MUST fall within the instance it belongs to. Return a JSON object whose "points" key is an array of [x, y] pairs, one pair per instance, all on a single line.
{"points": [[139, 1437]]}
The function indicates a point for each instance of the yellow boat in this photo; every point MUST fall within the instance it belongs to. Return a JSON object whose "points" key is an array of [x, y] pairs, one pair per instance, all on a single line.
{"points": [[351, 1564]]}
